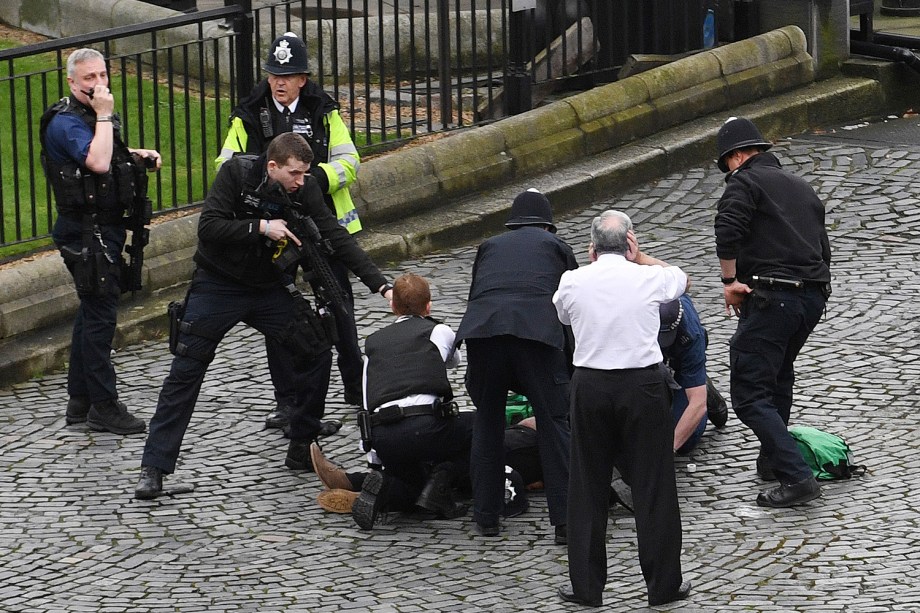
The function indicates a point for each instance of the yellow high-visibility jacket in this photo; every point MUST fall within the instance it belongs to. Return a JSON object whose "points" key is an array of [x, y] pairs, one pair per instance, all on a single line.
{"points": [[317, 119]]}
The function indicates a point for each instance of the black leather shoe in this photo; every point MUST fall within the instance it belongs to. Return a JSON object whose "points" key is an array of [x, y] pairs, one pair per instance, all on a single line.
{"points": [[569, 596], [298, 456], [764, 471], [562, 535], [716, 408], [790, 495], [112, 416], [77, 408], [682, 592], [328, 428], [367, 506], [150, 485], [438, 496], [280, 417], [488, 529]]}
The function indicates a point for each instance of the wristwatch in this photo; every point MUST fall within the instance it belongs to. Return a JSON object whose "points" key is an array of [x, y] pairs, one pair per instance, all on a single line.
{"points": [[728, 280]]}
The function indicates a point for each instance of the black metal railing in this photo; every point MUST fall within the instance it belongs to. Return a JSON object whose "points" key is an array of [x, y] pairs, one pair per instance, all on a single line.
{"points": [[399, 69], [165, 93]]}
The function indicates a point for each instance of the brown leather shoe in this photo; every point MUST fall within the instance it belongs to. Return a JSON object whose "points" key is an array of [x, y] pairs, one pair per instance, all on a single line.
{"points": [[332, 476], [337, 501]]}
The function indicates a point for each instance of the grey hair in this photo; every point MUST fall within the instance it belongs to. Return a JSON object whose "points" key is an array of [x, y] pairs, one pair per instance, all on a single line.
{"points": [[608, 232], [79, 56]]}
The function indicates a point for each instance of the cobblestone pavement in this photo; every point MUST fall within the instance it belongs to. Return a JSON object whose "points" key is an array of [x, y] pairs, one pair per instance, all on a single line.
{"points": [[251, 537]]}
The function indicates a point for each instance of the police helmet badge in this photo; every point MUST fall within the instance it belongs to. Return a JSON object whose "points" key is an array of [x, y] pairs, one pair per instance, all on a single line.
{"points": [[283, 52], [515, 501]]}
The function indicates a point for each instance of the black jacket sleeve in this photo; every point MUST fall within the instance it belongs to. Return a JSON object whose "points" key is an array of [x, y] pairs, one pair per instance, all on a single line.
{"points": [[345, 247]]}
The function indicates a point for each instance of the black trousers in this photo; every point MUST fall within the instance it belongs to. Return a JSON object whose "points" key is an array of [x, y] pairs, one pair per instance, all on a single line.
{"points": [[219, 304], [772, 329], [90, 372], [622, 416], [350, 359], [412, 447], [494, 366]]}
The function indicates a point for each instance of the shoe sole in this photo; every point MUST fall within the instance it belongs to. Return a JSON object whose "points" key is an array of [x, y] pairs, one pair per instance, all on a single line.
{"points": [[98, 427], [71, 421], [364, 510], [337, 501]]}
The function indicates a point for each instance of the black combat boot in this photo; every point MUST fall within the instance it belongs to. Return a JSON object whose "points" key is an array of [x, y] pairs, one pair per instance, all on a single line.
{"points": [[77, 408], [150, 485], [438, 496], [112, 416]]}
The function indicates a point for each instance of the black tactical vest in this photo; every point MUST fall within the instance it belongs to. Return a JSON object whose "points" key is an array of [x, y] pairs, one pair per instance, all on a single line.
{"points": [[402, 361], [78, 191]]}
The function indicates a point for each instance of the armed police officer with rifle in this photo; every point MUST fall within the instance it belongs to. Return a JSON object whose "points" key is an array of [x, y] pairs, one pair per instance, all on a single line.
{"points": [[95, 178], [257, 222]]}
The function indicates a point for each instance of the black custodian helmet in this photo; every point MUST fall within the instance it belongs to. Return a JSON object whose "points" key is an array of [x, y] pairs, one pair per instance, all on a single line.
{"points": [[287, 55], [531, 208], [738, 133]]}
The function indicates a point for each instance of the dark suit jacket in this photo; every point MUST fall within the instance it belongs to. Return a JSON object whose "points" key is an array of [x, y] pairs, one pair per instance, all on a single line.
{"points": [[514, 278]]}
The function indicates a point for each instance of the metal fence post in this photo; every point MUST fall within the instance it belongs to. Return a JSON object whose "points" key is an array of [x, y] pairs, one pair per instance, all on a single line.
{"points": [[243, 26], [447, 112], [517, 80]]}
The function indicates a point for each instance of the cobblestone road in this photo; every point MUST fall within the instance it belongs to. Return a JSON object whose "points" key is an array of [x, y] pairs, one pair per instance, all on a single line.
{"points": [[251, 537]]}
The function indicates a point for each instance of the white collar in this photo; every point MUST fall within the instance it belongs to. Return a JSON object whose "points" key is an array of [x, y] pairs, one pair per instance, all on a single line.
{"points": [[292, 107]]}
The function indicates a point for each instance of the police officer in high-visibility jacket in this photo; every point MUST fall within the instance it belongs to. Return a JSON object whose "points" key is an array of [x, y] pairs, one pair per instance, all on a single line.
{"points": [[287, 101]]}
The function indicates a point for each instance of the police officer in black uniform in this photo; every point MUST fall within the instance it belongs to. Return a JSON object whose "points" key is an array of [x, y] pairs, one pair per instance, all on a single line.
{"points": [[515, 342], [775, 261], [242, 226], [288, 101], [92, 175]]}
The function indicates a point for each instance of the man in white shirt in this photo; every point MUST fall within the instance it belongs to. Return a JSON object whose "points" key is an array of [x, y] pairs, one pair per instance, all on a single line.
{"points": [[620, 408]]}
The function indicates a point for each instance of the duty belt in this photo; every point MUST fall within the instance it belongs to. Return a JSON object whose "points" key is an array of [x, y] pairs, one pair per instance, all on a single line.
{"points": [[389, 415], [776, 283]]}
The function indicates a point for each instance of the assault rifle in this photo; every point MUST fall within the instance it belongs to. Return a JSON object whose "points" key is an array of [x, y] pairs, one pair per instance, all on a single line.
{"points": [[140, 211], [312, 253]]}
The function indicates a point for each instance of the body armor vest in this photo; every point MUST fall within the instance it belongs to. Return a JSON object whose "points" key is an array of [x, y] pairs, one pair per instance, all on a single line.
{"points": [[77, 191], [402, 361]]}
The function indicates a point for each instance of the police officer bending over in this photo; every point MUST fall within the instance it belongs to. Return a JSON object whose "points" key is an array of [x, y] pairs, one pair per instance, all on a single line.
{"points": [[775, 258], [92, 175], [246, 221]]}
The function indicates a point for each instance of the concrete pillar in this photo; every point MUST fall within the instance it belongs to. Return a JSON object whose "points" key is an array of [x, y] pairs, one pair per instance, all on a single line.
{"points": [[826, 24]]}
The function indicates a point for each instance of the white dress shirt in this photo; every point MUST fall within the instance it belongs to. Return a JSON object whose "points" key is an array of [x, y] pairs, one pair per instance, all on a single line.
{"points": [[612, 306]]}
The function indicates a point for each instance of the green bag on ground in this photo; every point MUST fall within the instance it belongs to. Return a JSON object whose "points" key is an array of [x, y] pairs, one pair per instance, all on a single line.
{"points": [[517, 407], [828, 455]]}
